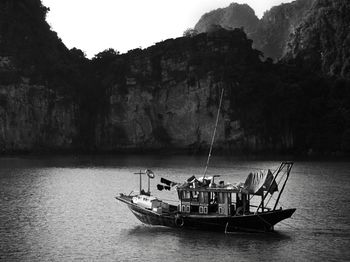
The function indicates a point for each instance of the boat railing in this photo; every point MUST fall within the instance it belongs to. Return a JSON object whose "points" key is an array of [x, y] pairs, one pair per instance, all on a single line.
{"points": [[267, 208]]}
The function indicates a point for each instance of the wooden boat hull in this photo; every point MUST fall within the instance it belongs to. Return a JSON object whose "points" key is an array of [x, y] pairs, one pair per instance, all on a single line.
{"points": [[260, 222]]}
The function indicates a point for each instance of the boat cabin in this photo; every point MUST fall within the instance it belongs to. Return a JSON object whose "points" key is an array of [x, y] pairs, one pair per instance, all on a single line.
{"points": [[203, 197], [218, 201]]}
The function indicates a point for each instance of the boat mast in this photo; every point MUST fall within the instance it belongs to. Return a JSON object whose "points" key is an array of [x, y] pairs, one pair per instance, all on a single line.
{"points": [[213, 138]]}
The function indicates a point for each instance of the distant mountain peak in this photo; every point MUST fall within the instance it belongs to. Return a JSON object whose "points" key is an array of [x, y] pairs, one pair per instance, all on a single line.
{"points": [[270, 34]]}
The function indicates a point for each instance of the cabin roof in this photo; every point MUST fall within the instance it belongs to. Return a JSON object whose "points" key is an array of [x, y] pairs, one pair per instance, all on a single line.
{"points": [[255, 183], [216, 189]]}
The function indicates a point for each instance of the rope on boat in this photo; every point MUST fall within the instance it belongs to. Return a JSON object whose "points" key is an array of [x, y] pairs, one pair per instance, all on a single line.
{"points": [[213, 138]]}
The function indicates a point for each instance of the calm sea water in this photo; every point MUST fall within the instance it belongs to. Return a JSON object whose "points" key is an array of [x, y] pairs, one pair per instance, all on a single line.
{"points": [[63, 209]]}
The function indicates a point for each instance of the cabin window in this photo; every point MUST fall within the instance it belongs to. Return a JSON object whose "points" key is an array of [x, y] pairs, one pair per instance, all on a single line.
{"points": [[205, 210], [200, 210], [233, 198], [239, 201], [220, 210], [214, 198], [188, 209], [186, 195], [195, 196], [203, 197], [183, 208], [221, 198]]}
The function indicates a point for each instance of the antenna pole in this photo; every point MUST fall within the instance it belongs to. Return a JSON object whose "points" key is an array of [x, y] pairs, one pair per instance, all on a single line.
{"points": [[213, 138]]}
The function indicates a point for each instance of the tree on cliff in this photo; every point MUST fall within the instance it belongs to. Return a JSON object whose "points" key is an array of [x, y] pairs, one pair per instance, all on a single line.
{"points": [[190, 32]]}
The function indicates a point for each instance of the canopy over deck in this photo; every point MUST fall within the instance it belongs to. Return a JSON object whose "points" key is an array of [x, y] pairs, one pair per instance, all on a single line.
{"points": [[255, 184], [260, 181]]}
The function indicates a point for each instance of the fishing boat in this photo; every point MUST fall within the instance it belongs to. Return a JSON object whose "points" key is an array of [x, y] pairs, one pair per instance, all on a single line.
{"points": [[206, 205]]}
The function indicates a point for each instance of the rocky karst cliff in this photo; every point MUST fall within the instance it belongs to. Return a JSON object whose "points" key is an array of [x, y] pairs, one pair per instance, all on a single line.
{"points": [[270, 34], [277, 25], [313, 31], [322, 39], [233, 16], [33, 115], [165, 96], [168, 94]]}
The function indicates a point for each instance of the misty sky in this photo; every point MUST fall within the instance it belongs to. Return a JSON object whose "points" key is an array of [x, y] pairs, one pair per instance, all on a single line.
{"points": [[94, 26]]}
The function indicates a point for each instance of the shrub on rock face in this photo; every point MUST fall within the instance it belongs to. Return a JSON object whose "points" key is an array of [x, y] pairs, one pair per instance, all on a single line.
{"points": [[190, 32]]}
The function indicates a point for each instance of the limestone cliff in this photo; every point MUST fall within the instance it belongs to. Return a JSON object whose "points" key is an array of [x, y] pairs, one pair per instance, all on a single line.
{"points": [[270, 34], [33, 117], [33, 113], [322, 40], [277, 25], [233, 16], [172, 91], [315, 32], [165, 96]]}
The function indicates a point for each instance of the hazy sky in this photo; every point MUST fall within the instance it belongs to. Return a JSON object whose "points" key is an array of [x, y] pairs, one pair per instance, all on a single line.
{"points": [[94, 26]]}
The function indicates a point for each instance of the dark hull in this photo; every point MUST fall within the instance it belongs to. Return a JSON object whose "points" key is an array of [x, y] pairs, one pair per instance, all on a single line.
{"points": [[260, 222]]}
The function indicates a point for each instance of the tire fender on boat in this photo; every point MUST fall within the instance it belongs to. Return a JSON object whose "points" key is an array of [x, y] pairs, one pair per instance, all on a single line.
{"points": [[179, 221]]}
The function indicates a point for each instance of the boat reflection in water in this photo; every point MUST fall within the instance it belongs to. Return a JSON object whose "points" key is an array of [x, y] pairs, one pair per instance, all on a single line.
{"points": [[206, 205]]}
